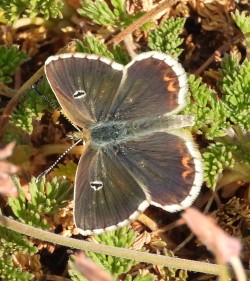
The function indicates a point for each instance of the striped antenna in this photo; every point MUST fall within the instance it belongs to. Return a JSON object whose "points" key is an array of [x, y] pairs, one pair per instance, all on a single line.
{"points": [[44, 173], [50, 102]]}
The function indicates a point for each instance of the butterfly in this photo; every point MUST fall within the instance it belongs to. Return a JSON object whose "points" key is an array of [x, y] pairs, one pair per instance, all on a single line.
{"points": [[137, 151]]}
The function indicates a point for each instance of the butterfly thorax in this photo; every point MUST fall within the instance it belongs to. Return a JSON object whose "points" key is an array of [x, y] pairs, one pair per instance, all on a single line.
{"points": [[107, 132]]}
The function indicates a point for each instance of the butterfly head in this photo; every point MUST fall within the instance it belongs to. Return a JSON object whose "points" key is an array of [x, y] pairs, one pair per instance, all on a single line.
{"points": [[83, 134]]}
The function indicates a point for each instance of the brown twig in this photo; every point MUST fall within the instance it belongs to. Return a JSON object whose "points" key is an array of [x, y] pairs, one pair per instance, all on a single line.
{"points": [[221, 50], [171, 262], [138, 23], [6, 91], [14, 101]]}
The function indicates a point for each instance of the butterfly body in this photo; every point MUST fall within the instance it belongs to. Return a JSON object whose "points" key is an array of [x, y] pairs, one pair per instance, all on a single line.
{"points": [[118, 131], [137, 151]]}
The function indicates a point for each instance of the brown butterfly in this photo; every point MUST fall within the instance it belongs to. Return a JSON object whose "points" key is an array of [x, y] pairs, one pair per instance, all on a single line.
{"points": [[137, 150]]}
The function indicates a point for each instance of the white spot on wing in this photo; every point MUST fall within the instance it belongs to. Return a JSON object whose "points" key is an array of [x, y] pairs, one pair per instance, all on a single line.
{"points": [[79, 94], [96, 185]]}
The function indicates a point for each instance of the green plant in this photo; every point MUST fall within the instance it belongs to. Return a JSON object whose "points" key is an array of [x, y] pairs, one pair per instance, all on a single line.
{"points": [[166, 38], [242, 20], [31, 107], [15, 9], [46, 198], [123, 238], [12, 243], [222, 117], [235, 86], [91, 45], [100, 13], [67, 171], [10, 59], [219, 118], [217, 157], [211, 116]]}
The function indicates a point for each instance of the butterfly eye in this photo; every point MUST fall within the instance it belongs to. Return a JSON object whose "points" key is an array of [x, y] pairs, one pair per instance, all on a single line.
{"points": [[79, 94], [96, 185]]}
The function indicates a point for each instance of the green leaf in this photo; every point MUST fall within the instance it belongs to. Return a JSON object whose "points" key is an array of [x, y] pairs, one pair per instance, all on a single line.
{"points": [[15, 9], [45, 199], [217, 157], [99, 12], [91, 45], [68, 170], [10, 59], [242, 20], [211, 115], [31, 107], [8, 272], [123, 238], [235, 86], [166, 38], [12, 243]]}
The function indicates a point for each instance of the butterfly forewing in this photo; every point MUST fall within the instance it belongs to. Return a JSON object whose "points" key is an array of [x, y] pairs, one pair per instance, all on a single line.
{"points": [[106, 195], [153, 84], [85, 85]]}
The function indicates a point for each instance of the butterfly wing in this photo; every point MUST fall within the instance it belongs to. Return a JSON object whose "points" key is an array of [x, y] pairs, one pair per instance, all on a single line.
{"points": [[85, 85], [92, 88], [153, 84], [106, 195], [168, 164]]}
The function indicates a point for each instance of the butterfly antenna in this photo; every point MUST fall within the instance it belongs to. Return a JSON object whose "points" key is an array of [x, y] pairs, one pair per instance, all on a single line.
{"points": [[50, 102], [44, 173]]}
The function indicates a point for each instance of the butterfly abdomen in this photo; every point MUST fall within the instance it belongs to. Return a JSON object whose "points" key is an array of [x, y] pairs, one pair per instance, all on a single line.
{"points": [[117, 131]]}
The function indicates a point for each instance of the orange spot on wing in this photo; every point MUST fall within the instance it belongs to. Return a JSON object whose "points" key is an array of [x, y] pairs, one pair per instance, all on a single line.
{"points": [[170, 83], [167, 78], [186, 163], [171, 87]]}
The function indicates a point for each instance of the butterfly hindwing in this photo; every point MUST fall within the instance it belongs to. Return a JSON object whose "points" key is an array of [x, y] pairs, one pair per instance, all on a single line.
{"points": [[168, 164], [106, 195]]}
